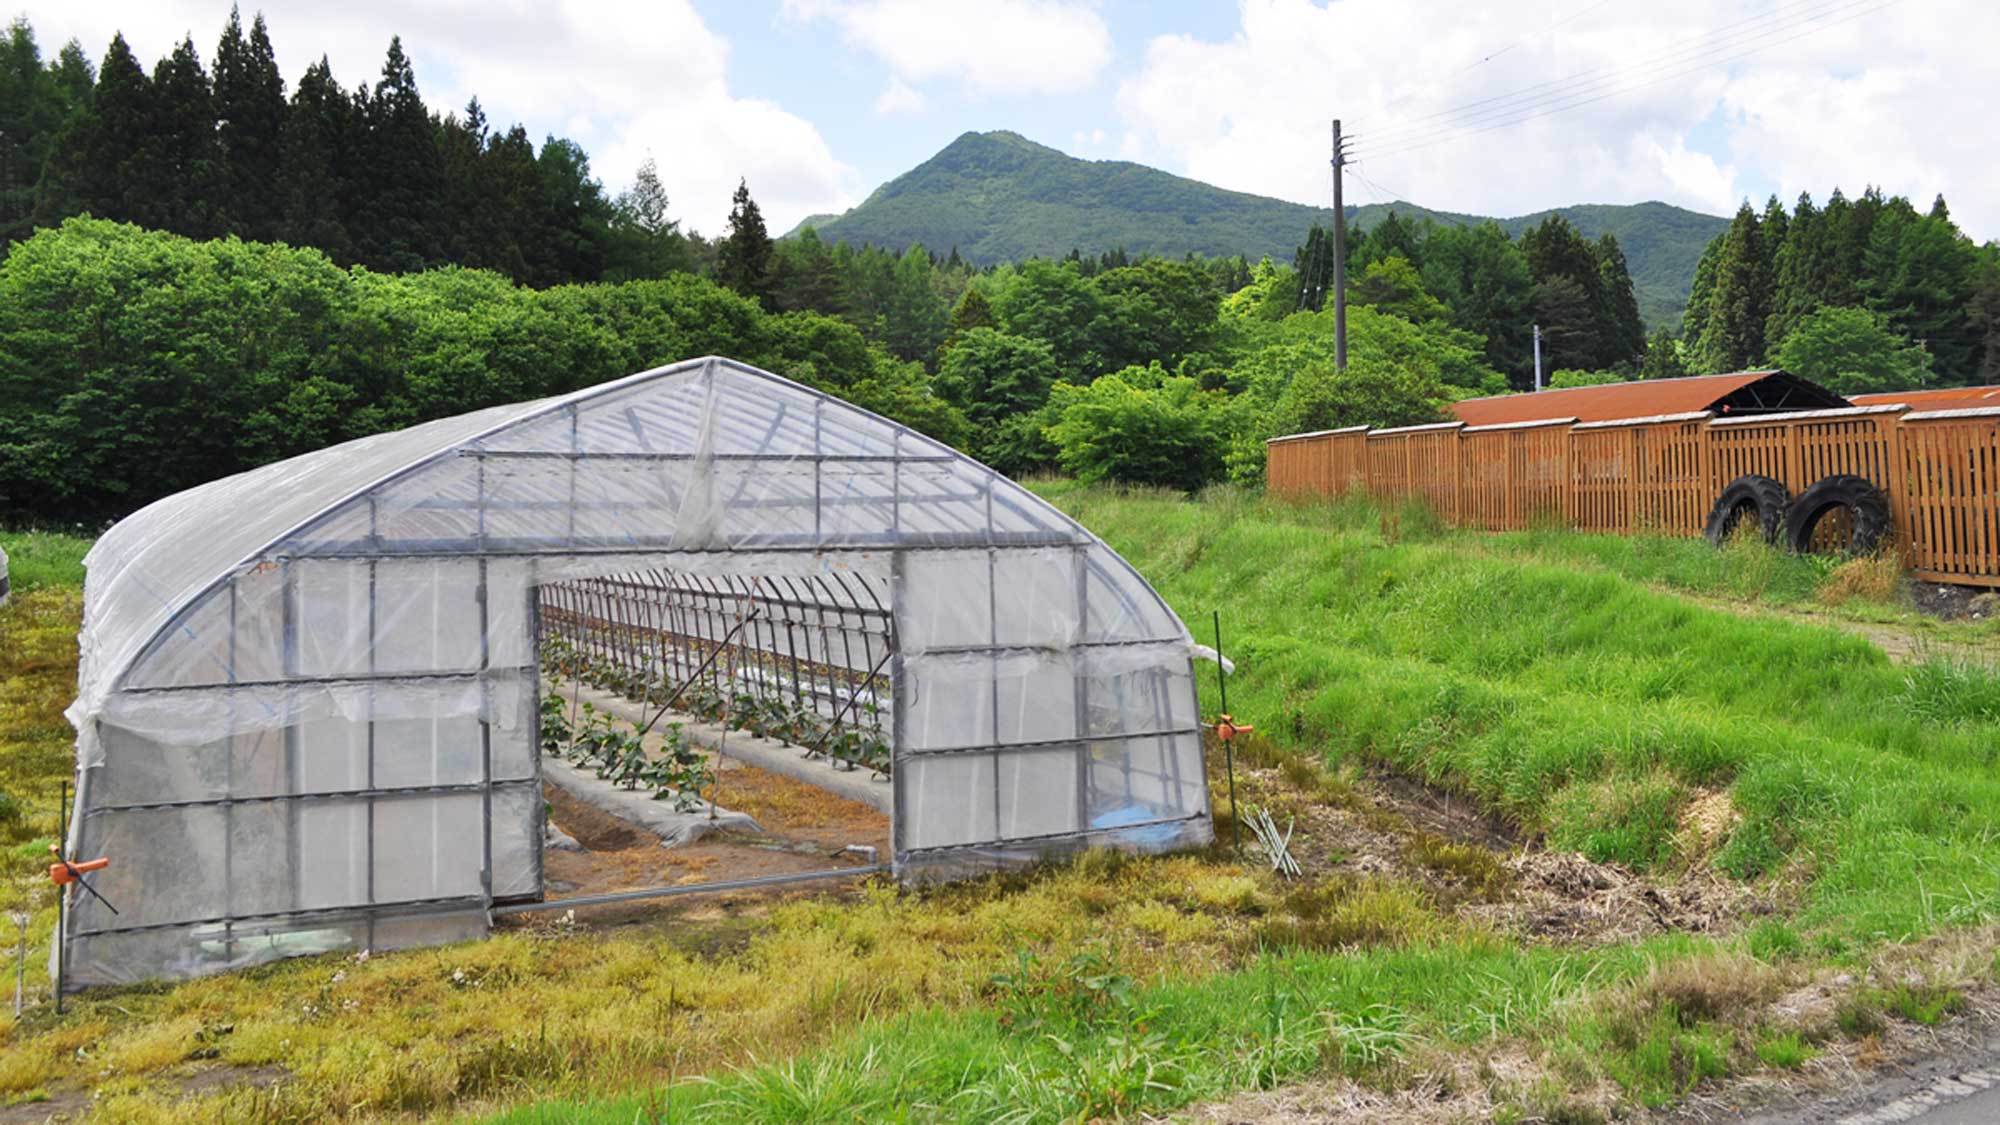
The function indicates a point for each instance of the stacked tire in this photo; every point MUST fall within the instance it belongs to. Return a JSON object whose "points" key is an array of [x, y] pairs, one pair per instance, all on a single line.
{"points": [[1859, 511]]}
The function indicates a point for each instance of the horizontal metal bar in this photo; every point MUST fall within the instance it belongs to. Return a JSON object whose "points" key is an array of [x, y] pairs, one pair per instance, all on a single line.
{"points": [[331, 913], [329, 795], [721, 597], [497, 673], [779, 458], [690, 889], [1051, 837], [1001, 650], [873, 543], [1046, 743]]}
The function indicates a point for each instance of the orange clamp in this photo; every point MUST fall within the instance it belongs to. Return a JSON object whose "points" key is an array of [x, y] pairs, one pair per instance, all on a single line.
{"points": [[1226, 727], [63, 874]]}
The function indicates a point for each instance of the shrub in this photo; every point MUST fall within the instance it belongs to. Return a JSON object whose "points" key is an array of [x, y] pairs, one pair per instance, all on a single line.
{"points": [[1141, 426]]}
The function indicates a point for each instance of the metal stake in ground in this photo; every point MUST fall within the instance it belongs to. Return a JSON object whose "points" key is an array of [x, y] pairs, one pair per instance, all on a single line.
{"points": [[1228, 749]]}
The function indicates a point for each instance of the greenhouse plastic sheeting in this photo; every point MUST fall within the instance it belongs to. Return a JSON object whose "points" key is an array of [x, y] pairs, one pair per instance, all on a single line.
{"points": [[307, 700]]}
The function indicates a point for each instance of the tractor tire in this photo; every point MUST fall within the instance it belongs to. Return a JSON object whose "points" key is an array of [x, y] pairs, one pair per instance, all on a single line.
{"points": [[1867, 507], [1748, 496]]}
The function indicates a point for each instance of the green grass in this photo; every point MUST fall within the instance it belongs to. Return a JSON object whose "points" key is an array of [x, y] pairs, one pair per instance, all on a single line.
{"points": [[1583, 704], [36, 559], [1548, 677]]}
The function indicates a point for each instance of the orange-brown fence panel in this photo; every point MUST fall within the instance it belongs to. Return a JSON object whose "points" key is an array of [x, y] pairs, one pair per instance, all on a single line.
{"points": [[1951, 474], [1484, 499], [1600, 477], [1671, 490], [1389, 464], [1940, 470], [1538, 463], [1737, 449], [1348, 460], [1434, 469]]}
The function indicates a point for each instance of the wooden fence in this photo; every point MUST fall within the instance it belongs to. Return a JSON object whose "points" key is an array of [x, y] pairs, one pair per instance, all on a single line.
{"points": [[1940, 469]]}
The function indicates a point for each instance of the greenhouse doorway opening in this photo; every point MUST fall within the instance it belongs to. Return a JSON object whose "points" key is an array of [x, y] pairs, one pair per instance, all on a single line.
{"points": [[705, 731]]}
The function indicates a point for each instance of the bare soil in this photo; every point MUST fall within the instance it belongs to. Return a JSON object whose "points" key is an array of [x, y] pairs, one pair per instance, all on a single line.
{"points": [[806, 830], [1466, 861]]}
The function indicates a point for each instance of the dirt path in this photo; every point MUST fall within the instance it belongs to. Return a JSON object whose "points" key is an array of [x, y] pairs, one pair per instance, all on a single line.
{"points": [[1902, 643]]}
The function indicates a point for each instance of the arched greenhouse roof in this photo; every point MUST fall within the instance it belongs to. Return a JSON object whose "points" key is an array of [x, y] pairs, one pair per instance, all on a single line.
{"points": [[714, 415]]}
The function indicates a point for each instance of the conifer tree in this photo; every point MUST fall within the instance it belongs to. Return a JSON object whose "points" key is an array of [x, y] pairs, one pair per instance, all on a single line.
{"points": [[1922, 275], [1802, 281], [97, 171], [60, 176], [1740, 303], [250, 123], [1776, 224], [1694, 321], [972, 311], [316, 149], [573, 214], [33, 109], [471, 226], [183, 173], [1627, 334], [399, 178], [743, 261]]}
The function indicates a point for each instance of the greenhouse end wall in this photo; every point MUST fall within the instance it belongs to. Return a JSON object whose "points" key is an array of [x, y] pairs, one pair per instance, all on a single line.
{"points": [[307, 711]]}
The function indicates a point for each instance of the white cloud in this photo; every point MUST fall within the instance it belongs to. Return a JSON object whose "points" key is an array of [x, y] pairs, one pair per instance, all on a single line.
{"points": [[623, 79], [899, 97], [1879, 97], [991, 46]]}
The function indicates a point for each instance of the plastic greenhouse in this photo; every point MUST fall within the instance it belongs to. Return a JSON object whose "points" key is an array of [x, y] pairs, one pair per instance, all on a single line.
{"points": [[308, 693]]}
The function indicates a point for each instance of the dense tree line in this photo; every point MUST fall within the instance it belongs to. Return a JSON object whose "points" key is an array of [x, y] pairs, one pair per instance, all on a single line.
{"points": [[134, 364], [137, 363], [1865, 294], [371, 175], [1498, 289]]}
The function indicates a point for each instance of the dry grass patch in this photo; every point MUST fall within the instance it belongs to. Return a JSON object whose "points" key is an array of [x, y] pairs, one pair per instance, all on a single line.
{"points": [[1876, 577]]}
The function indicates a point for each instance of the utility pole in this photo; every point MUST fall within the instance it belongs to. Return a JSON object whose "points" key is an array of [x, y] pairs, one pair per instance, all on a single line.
{"points": [[1339, 255], [1538, 357]]}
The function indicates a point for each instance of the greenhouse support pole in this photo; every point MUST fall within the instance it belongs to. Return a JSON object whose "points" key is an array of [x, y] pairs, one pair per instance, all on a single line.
{"points": [[1228, 744]]}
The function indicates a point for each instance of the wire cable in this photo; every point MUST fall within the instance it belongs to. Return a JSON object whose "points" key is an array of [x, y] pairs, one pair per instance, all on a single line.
{"points": [[1557, 87], [1713, 48], [1848, 13], [1573, 17]]}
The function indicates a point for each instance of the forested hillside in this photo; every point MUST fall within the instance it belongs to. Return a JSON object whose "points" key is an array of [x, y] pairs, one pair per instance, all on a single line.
{"points": [[999, 197]]}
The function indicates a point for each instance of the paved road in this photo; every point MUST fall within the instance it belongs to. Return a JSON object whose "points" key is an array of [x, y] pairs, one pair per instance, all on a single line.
{"points": [[1961, 1088]]}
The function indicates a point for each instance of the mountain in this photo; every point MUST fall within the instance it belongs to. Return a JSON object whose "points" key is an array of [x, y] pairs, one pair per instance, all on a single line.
{"points": [[1000, 197]]}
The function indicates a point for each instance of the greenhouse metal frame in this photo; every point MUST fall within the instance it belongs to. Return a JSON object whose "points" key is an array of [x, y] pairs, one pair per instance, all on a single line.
{"points": [[307, 706]]}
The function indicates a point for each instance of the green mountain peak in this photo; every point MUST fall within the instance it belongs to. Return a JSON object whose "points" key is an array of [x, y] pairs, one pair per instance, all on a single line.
{"points": [[998, 196]]}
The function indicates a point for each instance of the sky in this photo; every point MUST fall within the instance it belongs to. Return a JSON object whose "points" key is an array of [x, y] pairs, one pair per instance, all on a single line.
{"points": [[1498, 108]]}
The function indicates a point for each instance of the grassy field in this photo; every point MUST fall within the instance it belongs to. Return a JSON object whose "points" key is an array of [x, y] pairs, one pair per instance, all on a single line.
{"points": [[1556, 679], [43, 558]]}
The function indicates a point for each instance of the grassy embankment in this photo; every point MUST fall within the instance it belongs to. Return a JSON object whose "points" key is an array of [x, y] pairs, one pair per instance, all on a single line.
{"points": [[37, 680], [1542, 674]]}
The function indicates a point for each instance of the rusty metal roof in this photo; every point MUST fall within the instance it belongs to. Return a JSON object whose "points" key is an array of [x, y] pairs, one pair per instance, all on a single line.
{"points": [[1937, 398], [1743, 392]]}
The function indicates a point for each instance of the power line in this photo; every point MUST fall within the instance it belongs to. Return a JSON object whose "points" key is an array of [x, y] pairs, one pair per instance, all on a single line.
{"points": [[1388, 195], [1571, 18], [1556, 87], [1585, 97], [1713, 47]]}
